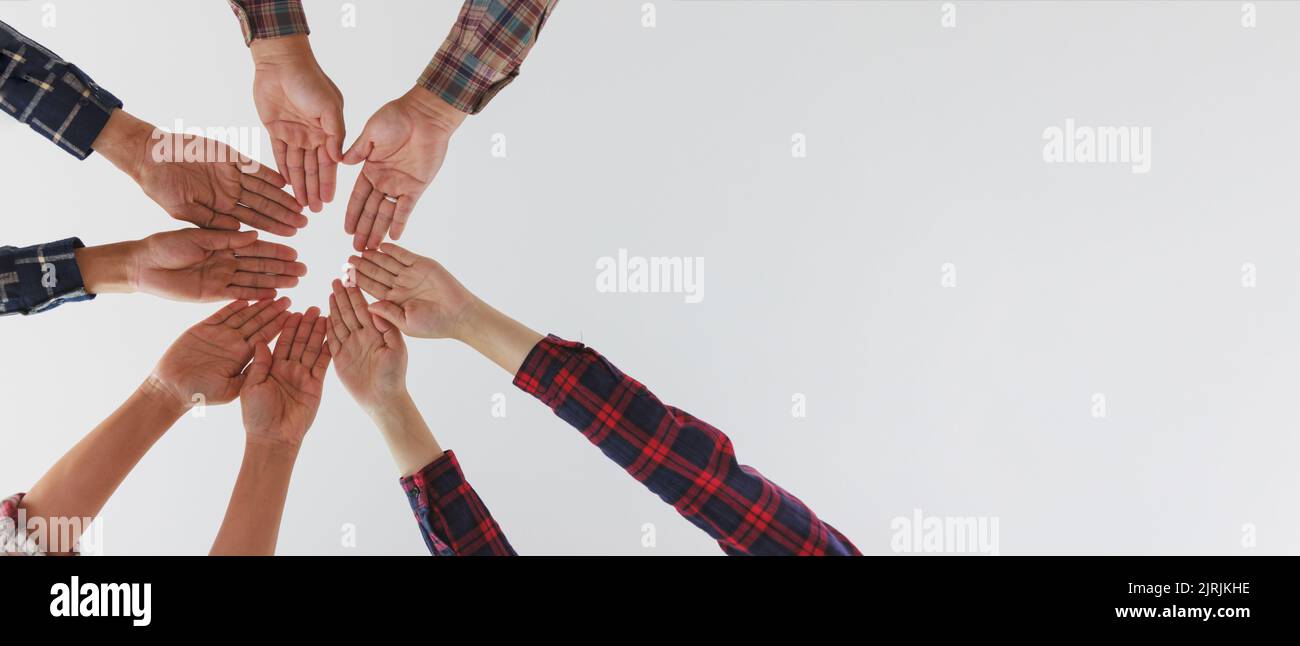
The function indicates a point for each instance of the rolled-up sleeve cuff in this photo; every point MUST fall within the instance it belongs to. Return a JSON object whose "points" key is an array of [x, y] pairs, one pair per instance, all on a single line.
{"points": [[39, 278], [55, 98], [548, 365], [270, 18]]}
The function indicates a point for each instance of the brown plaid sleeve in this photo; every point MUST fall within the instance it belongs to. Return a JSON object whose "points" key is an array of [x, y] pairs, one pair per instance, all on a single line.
{"points": [[269, 18], [484, 50]]}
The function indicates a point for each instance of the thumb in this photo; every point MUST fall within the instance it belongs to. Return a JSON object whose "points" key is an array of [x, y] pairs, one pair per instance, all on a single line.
{"points": [[332, 123], [360, 149], [258, 370], [390, 312], [217, 240]]}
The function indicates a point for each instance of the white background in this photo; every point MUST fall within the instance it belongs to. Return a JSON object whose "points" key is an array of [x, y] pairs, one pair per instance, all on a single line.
{"points": [[821, 274]]}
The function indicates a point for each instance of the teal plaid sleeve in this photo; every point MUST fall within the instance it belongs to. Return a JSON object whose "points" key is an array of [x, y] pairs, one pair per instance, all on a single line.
{"points": [[269, 18], [39, 278], [484, 50]]}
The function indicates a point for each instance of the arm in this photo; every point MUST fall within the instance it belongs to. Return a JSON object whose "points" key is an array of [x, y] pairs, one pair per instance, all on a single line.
{"points": [[42, 277], [404, 144], [279, 399], [685, 461], [300, 106], [371, 363], [54, 97], [205, 360]]}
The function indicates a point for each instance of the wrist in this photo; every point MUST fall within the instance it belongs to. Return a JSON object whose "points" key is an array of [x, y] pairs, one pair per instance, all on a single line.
{"points": [[281, 50], [432, 109], [123, 142], [266, 450], [108, 269], [162, 397]]}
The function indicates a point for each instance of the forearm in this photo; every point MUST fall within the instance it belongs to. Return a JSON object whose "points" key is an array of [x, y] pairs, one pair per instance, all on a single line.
{"points": [[501, 339], [409, 439], [82, 480], [109, 269], [252, 522]]}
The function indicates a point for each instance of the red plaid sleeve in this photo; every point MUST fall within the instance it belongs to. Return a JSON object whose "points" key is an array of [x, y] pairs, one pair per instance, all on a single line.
{"points": [[685, 461], [484, 50], [269, 18], [453, 519]]}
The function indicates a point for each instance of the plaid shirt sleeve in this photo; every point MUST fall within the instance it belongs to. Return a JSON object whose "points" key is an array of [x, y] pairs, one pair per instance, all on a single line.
{"points": [[685, 461], [39, 278], [52, 96], [453, 519], [484, 50], [269, 18]]}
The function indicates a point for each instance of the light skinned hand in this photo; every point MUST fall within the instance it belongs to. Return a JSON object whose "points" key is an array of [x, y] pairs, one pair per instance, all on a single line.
{"points": [[302, 110], [209, 358], [200, 180], [204, 265], [369, 353], [403, 146], [417, 294], [281, 392]]}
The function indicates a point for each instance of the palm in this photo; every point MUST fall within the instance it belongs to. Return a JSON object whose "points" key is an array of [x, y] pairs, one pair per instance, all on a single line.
{"points": [[431, 298], [180, 186], [405, 158], [206, 361], [283, 407], [293, 105], [187, 271]]}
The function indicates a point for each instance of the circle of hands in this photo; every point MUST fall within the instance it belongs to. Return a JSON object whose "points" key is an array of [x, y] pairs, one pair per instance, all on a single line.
{"points": [[228, 355]]}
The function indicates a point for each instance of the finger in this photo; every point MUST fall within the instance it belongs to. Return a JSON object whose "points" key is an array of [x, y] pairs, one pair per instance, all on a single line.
{"points": [[385, 263], [297, 174], [263, 249], [329, 170], [259, 221], [392, 335], [311, 168], [213, 240], [245, 314], [400, 253], [380, 323], [268, 201], [272, 193], [205, 217], [260, 368], [269, 266], [332, 339], [248, 293], [270, 330], [372, 287], [264, 317], [224, 313], [281, 150], [248, 279], [389, 311], [382, 220], [356, 203], [346, 309], [287, 336], [304, 332], [338, 328], [264, 173], [359, 306], [376, 269], [405, 205], [322, 364], [316, 341], [367, 221]]}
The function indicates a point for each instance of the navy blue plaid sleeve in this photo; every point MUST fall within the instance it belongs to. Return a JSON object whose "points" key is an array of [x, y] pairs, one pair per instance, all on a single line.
{"points": [[685, 461], [39, 278], [453, 519], [52, 96]]}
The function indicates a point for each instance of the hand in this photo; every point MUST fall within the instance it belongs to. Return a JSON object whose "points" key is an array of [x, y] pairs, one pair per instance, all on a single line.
{"points": [[199, 180], [418, 295], [281, 393], [303, 112], [403, 146], [202, 265], [369, 353], [208, 358]]}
